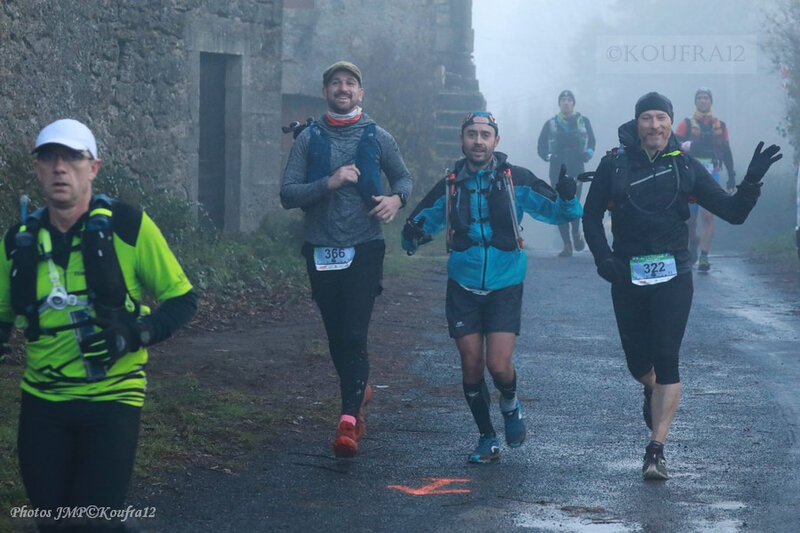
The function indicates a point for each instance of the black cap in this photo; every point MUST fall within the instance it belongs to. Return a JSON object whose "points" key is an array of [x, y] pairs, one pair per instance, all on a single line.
{"points": [[654, 100], [566, 93]]}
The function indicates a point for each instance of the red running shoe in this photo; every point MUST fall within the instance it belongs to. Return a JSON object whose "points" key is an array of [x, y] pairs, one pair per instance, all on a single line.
{"points": [[346, 443]]}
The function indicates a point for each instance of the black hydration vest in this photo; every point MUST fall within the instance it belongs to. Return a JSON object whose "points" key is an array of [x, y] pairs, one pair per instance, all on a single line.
{"points": [[622, 204], [106, 290], [501, 214]]}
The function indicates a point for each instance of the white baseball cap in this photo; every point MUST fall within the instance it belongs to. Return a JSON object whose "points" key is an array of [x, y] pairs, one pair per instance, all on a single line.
{"points": [[70, 133]]}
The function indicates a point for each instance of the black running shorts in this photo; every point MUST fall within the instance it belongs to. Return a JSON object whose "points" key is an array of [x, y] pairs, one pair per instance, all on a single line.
{"points": [[467, 312]]}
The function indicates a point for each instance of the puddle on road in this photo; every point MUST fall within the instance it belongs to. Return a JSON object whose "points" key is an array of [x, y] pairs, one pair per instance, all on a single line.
{"points": [[768, 318], [544, 518], [719, 526], [772, 315], [725, 523], [729, 506]]}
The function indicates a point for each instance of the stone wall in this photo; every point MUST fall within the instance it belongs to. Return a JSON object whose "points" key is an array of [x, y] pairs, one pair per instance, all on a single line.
{"points": [[193, 93], [130, 69]]}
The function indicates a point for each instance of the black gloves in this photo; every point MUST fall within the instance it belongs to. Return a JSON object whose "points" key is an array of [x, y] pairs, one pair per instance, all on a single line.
{"points": [[413, 235], [613, 270], [117, 338], [761, 162], [566, 186], [412, 230]]}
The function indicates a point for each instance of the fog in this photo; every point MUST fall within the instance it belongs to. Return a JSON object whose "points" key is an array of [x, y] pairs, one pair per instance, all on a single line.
{"points": [[611, 52]]}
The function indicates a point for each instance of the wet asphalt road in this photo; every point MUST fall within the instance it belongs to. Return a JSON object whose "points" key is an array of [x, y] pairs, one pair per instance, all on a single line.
{"points": [[732, 454]]}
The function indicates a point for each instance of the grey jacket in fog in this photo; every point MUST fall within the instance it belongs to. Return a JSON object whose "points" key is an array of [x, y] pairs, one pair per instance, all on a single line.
{"points": [[339, 217]]}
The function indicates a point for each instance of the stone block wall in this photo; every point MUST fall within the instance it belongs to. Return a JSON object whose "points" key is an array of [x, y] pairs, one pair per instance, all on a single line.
{"points": [[130, 70]]}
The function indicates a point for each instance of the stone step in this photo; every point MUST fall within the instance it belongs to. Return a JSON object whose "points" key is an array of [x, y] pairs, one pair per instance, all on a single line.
{"points": [[449, 117], [448, 151], [454, 100], [447, 133]]}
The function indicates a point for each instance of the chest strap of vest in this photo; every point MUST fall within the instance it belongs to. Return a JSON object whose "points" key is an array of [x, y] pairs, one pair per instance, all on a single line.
{"points": [[451, 195], [512, 200], [106, 290]]}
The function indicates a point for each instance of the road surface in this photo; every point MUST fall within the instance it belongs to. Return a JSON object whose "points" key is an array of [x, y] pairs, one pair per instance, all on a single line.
{"points": [[732, 454]]}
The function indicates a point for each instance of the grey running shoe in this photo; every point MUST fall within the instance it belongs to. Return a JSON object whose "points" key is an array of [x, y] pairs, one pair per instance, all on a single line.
{"points": [[703, 265], [515, 427], [647, 412], [655, 466], [488, 450], [567, 251]]}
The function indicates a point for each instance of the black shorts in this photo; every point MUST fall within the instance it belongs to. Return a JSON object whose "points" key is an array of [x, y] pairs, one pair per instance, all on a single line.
{"points": [[498, 311], [652, 320]]}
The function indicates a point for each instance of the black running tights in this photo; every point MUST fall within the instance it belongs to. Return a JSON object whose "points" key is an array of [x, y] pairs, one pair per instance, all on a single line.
{"points": [[345, 299], [74, 454]]}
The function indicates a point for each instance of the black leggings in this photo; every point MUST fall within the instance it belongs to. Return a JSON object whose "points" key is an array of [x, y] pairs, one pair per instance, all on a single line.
{"points": [[652, 320], [345, 299], [563, 229], [76, 454]]}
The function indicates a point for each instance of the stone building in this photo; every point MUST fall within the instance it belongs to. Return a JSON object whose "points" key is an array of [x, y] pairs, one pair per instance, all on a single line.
{"points": [[186, 91], [193, 93]]}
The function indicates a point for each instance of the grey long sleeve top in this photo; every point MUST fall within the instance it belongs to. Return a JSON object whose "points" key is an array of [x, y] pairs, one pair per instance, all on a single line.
{"points": [[340, 217]]}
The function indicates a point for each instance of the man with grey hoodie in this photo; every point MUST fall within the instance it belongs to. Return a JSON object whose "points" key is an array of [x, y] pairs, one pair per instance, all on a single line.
{"points": [[334, 175]]}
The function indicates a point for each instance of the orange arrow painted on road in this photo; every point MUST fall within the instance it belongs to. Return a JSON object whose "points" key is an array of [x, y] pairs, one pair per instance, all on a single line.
{"points": [[434, 487]]}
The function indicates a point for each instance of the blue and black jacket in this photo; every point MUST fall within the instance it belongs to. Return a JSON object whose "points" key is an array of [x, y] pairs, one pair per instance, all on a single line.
{"points": [[485, 252]]}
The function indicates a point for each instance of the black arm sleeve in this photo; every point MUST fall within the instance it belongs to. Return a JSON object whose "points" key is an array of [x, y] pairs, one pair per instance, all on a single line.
{"points": [[170, 316], [594, 210]]}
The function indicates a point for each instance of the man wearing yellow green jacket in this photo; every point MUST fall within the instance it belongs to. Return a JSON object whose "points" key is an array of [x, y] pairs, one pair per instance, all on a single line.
{"points": [[72, 276]]}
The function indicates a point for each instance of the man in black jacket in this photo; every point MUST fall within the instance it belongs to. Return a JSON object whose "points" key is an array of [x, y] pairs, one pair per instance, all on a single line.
{"points": [[646, 184]]}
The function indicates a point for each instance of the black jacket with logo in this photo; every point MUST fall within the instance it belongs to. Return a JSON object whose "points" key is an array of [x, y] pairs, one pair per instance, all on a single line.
{"points": [[648, 200]]}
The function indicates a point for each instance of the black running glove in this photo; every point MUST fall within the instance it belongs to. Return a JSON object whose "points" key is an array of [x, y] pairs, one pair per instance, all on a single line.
{"points": [[105, 347], [412, 230], [414, 235], [566, 186], [613, 270], [761, 161]]}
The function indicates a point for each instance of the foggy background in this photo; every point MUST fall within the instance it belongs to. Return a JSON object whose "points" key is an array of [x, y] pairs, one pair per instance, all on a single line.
{"points": [[527, 51]]}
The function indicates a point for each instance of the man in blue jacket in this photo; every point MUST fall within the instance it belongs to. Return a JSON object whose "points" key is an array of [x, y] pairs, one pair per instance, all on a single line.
{"points": [[481, 205]]}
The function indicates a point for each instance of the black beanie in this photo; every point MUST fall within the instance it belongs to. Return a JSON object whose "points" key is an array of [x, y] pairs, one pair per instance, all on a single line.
{"points": [[654, 101], [566, 93]]}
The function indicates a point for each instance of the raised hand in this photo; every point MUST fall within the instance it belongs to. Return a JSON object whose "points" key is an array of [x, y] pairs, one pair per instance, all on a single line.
{"points": [[566, 186], [761, 161]]}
